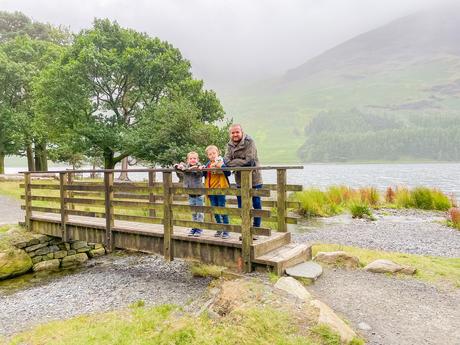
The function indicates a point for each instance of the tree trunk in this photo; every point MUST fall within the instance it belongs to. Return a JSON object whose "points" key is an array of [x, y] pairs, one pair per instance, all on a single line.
{"points": [[124, 166], [41, 159], [2, 162], [30, 157], [109, 162]]}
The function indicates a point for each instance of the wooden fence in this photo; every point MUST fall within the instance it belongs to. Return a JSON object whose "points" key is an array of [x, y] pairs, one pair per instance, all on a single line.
{"points": [[162, 203]]}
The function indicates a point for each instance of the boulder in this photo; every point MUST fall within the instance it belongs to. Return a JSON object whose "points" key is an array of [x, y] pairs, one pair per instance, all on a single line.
{"points": [[73, 260], [14, 262], [96, 252], [388, 266], [293, 287], [339, 258], [310, 270], [329, 318], [49, 265]]}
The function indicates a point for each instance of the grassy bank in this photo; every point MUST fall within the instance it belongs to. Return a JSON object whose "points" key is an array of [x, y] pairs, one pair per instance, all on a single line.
{"points": [[338, 199], [429, 268]]}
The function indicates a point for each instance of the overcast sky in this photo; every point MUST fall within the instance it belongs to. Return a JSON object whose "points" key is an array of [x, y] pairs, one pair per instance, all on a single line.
{"points": [[232, 41]]}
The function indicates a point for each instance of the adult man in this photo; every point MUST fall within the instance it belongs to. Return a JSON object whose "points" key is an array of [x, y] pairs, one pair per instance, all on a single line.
{"points": [[242, 152]]}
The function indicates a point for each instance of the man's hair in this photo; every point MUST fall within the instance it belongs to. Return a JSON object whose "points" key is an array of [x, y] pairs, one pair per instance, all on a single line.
{"points": [[192, 153], [212, 147], [235, 125]]}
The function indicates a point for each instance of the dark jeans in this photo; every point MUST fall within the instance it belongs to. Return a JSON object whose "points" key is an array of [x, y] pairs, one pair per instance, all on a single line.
{"points": [[256, 204], [219, 200]]}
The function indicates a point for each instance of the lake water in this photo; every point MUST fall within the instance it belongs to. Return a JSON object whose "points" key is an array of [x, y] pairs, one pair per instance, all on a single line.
{"points": [[445, 176]]}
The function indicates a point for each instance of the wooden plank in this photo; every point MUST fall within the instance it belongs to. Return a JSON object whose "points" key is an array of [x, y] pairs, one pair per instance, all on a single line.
{"points": [[152, 197], [289, 220], [168, 250], [216, 226], [246, 205], [86, 213], [45, 198], [70, 177], [109, 220], [64, 215], [28, 203], [281, 199], [139, 189], [42, 209], [137, 204], [82, 187], [141, 219], [92, 201], [40, 186], [206, 191], [289, 187]]}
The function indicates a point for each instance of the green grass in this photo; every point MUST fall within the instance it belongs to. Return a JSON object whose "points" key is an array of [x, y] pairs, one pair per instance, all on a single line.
{"points": [[360, 210], [169, 325], [429, 268], [199, 269], [11, 189]]}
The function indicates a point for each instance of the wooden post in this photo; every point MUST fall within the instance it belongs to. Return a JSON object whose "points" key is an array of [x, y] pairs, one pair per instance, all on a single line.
{"points": [[109, 218], [152, 198], [246, 206], [70, 177], [168, 216], [28, 202], [64, 215], [281, 199]]}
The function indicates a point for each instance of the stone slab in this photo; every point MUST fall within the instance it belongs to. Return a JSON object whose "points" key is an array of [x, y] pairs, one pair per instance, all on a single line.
{"points": [[309, 269]]}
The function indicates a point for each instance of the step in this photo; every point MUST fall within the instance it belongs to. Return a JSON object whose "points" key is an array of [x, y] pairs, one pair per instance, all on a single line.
{"points": [[286, 256], [264, 245]]}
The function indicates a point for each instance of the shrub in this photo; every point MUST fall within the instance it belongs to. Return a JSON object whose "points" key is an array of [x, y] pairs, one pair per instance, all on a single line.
{"points": [[314, 202], [441, 201], [430, 199], [390, 195], [454, 215], [403, 198], [370, 195], [360, 210]]}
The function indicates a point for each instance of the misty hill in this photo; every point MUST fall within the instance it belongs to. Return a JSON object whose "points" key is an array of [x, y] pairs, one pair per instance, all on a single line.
{"points": [[392, 93]]}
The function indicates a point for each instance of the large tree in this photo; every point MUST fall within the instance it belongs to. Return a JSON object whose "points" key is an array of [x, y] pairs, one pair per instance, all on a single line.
{"points": [[21, 61], [112, 90]]}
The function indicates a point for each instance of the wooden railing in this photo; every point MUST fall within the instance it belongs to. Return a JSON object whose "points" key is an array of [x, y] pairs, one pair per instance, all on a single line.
{"points": [[160, 203]]}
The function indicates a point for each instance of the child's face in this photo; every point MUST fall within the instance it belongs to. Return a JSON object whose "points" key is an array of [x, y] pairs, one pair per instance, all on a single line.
{"points": [[212, 154], [192, 159]]}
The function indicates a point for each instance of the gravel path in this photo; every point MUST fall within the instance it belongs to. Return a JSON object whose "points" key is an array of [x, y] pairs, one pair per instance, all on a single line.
{"points": [[114, 282], [406, 231], [10, 211], [399, 311]]}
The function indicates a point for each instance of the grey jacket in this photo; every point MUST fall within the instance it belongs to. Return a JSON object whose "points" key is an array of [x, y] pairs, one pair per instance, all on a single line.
{"points": [[190, 179], [243, 154]]}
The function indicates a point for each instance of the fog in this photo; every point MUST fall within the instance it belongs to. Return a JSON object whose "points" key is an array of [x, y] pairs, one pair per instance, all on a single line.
{"points": [[234, 41]]}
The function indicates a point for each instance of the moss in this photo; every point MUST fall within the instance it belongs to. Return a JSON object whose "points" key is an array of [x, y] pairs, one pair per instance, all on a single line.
{"points": [[14, 262], [203, 270]]}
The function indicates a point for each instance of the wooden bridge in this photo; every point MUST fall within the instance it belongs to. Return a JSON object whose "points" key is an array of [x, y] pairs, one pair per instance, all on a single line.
{"points": [[154, 217]]}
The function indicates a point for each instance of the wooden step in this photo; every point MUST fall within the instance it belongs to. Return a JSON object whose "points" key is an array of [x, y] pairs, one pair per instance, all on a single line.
{"points": [[286, 256], [268, 244]]}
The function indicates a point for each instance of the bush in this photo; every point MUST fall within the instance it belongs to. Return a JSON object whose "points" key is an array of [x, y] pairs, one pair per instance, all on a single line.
{"points": [[360, 210], [403, 198], [314, 203], [454, 215], [369, 195], [430, 199], [390, 195]]}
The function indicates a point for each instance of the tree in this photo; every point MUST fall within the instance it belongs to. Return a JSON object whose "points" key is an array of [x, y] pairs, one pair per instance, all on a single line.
{"points": [[21, 61], [112, 83]]}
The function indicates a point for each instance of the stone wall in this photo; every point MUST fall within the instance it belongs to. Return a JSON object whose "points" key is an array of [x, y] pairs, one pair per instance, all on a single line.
{"points": [[51, 253]]}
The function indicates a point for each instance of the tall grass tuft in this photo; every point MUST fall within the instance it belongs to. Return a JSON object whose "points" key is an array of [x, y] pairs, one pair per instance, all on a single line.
{"points": [[454, 215], [360, 210], [403, 198], [390, 195], [430, 199], [370, 196]]}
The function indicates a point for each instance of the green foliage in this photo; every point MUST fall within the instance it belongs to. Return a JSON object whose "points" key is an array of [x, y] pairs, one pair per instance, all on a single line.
{"points": [[117, 92], [359, 210], [326, 334]]}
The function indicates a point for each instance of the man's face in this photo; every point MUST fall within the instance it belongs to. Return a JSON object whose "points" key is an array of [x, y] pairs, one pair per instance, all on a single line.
{"points": [[236, 134]]}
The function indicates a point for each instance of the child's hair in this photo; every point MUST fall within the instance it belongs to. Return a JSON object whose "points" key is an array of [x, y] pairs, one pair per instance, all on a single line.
{"points": [[192, 153], [211, 147]]}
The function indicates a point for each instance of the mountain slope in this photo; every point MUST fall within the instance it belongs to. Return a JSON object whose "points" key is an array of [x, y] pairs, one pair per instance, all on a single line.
{"points": [[402, 74]]}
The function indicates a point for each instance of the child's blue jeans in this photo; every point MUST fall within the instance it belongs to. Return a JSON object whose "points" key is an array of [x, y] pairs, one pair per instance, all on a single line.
{"points": [[196, 200], [219, 200]]}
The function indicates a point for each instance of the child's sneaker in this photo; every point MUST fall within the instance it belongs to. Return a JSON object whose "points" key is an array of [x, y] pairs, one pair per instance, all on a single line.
{"points": [[191, 232], [225, 235], [197, 232], [218, 234]]}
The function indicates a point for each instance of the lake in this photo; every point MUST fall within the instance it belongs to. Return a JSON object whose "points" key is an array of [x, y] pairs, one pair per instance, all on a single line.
{"points": [[445, 176]]}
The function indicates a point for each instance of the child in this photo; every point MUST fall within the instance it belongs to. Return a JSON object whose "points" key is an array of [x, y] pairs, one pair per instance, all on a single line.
{"points": [[192, 178], [217, 179]]}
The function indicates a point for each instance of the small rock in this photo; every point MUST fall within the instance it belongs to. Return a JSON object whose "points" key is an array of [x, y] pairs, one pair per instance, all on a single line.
{"points": [[32, 241], [35, 247], [98, 245], [42, 238], [388, 266], [78, 244], [64, 246], [310, 270], [328, 317], [42, 251], [60, 254], [339, 258], [36, 259], [71, 252], [73, 260], [48, 265], [49, 256], [293, 287], [20, 244], [364, 326], [53, 248], [96, 252], [83, 249]]}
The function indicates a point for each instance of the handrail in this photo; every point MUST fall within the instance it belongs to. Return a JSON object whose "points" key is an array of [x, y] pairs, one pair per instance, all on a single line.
{"points": [[274, 167]]}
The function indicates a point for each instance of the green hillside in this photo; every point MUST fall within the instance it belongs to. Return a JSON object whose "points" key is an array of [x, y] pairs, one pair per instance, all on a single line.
{"points": [[390, 94]]}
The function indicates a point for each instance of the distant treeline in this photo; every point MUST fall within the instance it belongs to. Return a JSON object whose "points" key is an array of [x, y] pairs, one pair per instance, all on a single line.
{"points": [[373, 135]]}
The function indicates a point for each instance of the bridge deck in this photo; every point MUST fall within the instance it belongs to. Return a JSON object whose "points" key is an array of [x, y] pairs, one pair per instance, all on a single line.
{"points": [[180, 233]]}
